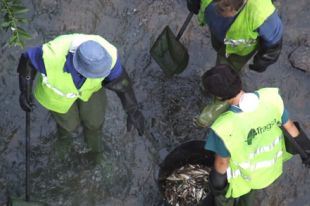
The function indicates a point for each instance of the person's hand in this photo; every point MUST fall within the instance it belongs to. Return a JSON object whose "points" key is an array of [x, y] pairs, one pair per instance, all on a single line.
{"points": [[306, 161], [257, 68], [26, 103], [135, 118], [266, 57], [193, 6], [25, 79], [303, 142]]}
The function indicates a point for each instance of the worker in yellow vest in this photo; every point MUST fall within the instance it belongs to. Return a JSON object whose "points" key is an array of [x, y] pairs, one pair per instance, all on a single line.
{"points": [[73, 71], [240, 29], [247, 139]]}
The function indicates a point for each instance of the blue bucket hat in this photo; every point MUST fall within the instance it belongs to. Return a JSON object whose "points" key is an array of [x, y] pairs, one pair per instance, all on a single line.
{"points": [[92, 60]]}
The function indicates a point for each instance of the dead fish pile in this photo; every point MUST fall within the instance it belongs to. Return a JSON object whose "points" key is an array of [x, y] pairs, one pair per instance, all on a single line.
{"points": [[187, 185]]}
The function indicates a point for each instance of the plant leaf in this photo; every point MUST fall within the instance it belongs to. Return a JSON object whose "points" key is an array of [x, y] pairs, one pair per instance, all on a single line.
{"points": [[21, 20], [22, 32], [11, 12], [6, 24], [19, 9], [12, 40]]}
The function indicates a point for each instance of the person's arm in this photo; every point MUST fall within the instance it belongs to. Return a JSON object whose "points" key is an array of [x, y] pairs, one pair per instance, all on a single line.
{"points": [[290, 127], [193, 6], [119, 82], [35, 57], [26, 72], [215, 144], [221, 164], [218, 176], [115, 73], [271, 34], [296, 141], [218, 183]]}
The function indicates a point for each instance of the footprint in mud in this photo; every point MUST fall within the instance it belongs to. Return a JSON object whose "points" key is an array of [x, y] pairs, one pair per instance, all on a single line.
{"points": [[115, 177]]}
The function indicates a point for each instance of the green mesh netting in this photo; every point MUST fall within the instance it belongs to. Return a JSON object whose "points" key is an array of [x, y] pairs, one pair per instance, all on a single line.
{"points": [[169, 53]]}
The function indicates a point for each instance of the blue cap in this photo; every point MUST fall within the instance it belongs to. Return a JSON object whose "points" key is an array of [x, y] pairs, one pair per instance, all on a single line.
{"points": [[92, 60]]}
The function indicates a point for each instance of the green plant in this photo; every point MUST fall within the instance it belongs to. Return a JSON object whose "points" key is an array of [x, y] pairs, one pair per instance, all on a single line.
{"points": [[12, 12]]}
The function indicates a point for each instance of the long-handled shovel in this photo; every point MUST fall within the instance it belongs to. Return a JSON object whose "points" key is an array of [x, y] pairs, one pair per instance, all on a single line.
{"points": [[26, 202], [168, 52]]}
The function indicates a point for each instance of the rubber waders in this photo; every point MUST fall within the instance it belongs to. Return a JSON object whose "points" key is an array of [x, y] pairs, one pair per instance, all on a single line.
{"points": [[63, 143], [211, 112]]}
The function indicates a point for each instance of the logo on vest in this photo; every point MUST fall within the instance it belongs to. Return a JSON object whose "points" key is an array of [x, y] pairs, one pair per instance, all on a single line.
{"points": [[260, 130]]}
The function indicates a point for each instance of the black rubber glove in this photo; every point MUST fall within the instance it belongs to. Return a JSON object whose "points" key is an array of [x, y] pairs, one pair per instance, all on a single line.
{"points": [[265, 57], [306, 161], [26, 76], [124, 91], [304, 142], [135, 118], [218, 183], [298, 145], [193, 6]]}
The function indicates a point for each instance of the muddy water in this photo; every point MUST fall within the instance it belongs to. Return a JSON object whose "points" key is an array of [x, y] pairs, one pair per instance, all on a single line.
{"points": [[127, 175]]}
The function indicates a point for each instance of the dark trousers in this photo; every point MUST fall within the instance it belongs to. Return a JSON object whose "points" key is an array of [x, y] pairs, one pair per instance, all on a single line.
{"points": [[244, 200], [90, 114], [237, 62]]}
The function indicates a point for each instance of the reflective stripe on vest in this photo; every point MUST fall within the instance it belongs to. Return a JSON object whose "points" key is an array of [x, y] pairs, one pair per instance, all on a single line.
{"points": [[57, 91], [247, 165], [242, 36], [263, 164], [237, 42], [265, 148], [256, 144]]}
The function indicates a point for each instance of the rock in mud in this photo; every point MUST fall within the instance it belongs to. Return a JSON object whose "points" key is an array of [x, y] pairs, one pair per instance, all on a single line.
{"points": [[299, 58]]}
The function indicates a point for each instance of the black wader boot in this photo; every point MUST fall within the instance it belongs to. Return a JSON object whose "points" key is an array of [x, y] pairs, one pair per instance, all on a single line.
{"points": [[63, 144]]}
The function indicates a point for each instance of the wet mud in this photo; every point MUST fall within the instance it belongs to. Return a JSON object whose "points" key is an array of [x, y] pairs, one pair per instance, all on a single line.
{"points": [[127, 177]]}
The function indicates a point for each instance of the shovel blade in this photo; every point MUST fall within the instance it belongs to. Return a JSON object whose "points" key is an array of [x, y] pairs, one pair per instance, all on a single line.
{"points": [[169, 53], [19, 202]]}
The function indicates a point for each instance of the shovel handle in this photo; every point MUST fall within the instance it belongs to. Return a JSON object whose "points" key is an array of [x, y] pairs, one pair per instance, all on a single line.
{"points": [[188, 19], [27, 148], [27, 180]]}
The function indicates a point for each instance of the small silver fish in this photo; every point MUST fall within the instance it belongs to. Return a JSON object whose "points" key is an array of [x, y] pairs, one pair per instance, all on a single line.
{"points": [[187, 185]]}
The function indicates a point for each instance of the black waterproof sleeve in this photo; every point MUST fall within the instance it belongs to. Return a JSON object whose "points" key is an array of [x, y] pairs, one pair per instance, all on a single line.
{"points": [[123, 88], [193, 6], [26, 76], [302, 140], [26, 72], [216, 44], [265, 57], [218, 183]]}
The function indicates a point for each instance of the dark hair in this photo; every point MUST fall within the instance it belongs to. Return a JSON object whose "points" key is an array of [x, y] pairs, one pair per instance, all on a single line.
{"points": [[235, 4], [222, 81]]}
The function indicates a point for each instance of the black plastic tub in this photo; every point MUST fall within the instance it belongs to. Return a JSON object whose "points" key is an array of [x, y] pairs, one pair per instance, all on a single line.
{"points": [[191, 152]]}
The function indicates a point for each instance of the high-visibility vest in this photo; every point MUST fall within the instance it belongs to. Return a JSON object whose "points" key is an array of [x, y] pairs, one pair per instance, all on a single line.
{"points": [[56, 90], [255, 143], [242, 36]]}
